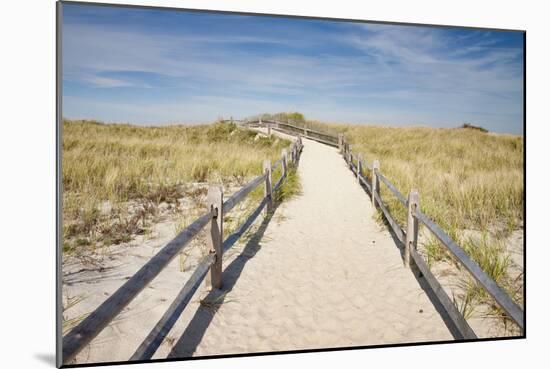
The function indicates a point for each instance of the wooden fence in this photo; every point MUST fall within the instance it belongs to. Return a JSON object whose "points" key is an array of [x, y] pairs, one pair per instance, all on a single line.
{"points": [[212, 220], [289, 128], [409, 236], [90, 327]]}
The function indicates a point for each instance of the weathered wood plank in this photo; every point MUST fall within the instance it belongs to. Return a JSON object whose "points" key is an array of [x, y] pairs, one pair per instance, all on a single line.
{"points": [[242, 193], [394, 225], [456, 317], [359, 167], [330, 143], [268, 189], [365, 182], [412, 226], [375, 183], [154, 339], [234, 237], [393, 189], [309, 130], [325, 138], [500, 296], [90, 327], [214, 236]]}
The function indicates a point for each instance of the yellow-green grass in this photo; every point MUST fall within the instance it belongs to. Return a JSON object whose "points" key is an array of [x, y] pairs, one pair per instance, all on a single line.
{"points": [[467, 179], [470, 182], [115, 175]]}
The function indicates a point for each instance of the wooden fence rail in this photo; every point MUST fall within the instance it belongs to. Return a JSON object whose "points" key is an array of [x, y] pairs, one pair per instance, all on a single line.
{"points": [[91, 326], [323, 137], [95, 322], [358, 165], [488, 284], [409, 239]]}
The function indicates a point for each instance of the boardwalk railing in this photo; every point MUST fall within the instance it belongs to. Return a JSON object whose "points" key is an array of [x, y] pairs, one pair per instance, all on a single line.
{"points": [[95, 322], [409, 236], [286, 127]]}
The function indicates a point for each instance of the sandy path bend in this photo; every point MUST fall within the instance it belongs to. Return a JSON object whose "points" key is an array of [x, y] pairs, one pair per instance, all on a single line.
{"points": [[321, 273]]}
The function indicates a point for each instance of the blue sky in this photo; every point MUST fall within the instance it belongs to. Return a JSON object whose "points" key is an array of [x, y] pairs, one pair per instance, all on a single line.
{"points": [[148, 66]]}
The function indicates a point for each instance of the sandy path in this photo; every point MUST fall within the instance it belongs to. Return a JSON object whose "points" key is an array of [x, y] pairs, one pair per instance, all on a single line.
{"points": [[319, 273], [323, 275]]}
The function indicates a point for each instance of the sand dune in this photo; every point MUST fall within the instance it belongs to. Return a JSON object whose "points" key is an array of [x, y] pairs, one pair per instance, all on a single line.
{"points": [[318, 273]]}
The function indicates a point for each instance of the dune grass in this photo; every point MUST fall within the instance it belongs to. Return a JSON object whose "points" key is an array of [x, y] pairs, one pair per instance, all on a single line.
{"points": [[115, 176], [467, 179], [470, 182]]}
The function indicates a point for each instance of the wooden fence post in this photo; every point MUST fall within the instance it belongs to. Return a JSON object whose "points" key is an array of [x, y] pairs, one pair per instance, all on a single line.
{"points": [[284, 158], [340, 143], [412, 226], [269, 130], [215, 236], [268, 188], [375, 182], [347, 152], [350, 156], [359, 167]]}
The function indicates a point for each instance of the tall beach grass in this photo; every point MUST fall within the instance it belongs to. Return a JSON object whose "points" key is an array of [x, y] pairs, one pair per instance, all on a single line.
{"points": [[471, 183], [115, 176]]}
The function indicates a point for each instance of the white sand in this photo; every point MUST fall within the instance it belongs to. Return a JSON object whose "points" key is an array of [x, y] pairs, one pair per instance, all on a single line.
{"points": [[321, 273]]}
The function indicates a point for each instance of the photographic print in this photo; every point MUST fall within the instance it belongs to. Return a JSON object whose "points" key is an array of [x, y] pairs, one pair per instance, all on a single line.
{"points": [[237, 184]]}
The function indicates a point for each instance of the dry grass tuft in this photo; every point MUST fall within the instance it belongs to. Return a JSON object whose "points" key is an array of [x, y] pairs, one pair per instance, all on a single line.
{"points": [[469, 181], [115, 176]]}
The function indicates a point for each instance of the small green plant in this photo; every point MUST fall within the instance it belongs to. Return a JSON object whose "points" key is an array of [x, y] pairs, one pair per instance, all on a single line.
{"points": [[435, 251], [465, 303], [490, 255], [290, 187], [514, 289]]}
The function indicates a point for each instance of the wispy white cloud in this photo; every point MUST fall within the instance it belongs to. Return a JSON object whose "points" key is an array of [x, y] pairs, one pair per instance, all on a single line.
{"points": [[408, 74]]}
